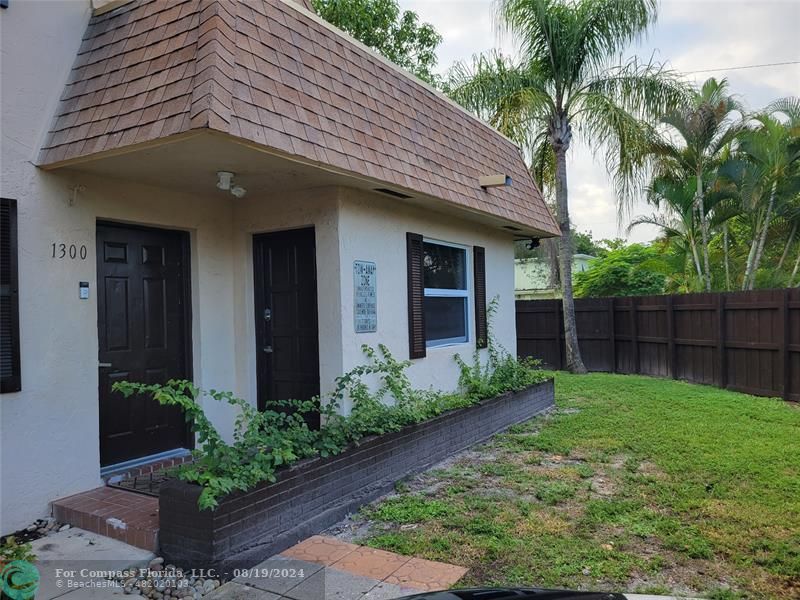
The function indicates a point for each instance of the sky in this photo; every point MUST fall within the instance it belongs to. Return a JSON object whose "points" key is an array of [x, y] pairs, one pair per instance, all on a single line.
{"points": [[689, 36]]}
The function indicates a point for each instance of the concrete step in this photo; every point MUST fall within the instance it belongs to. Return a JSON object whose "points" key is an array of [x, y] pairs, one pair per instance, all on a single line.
{"points": [[65, 559]]}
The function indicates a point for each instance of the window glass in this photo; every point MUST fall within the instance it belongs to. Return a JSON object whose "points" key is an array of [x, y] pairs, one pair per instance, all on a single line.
{"points": [[446, 296], [445, 318], [445, 267]]}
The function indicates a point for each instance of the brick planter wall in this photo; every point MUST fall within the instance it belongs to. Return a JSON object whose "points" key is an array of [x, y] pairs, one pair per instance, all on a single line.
{"points": [[313, 494]]}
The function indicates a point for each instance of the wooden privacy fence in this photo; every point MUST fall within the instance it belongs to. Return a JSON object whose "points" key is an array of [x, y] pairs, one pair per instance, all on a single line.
{"points": [[743, 341]]}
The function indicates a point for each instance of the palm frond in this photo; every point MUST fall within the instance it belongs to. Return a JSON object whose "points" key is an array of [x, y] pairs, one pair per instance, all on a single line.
{"points": [[510, 97]]}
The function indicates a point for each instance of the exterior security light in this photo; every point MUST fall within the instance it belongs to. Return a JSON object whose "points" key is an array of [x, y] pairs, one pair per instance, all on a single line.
{"points": [[224, 180], [498, 180], [225, 183]]}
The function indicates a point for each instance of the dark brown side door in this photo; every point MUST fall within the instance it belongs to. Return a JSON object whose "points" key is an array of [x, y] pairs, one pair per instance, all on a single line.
{"points": [[287, 343], [143, 327]]}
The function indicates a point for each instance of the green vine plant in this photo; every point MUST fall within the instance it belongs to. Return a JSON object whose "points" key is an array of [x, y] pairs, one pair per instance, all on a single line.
{"points": [[266, 441], [11, 550], [501, 371]]}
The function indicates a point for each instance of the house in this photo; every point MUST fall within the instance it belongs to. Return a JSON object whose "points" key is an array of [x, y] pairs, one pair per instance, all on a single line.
{"points": [[532, 276], [231, 192]]}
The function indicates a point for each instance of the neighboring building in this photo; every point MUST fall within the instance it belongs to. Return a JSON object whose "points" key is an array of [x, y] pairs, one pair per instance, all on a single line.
{"points": [[532, 277], [354, 216]]}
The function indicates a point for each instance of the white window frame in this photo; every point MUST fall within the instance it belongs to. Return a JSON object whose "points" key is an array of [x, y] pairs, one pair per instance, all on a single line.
{"points": [[450, 293]]}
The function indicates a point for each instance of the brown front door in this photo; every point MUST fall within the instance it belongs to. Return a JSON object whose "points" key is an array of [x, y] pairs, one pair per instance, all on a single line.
{"points": [[286, 317], [143, 328]]}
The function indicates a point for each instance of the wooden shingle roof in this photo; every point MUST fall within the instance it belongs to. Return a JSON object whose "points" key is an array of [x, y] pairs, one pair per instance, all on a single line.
{"points": [[273, 73]]}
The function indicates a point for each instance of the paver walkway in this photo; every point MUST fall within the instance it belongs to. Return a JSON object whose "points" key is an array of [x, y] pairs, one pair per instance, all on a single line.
{"points": [[324, 568], [416, 573]]}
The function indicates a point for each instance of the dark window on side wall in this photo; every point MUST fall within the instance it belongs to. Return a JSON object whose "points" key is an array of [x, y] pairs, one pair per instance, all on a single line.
{"points": [[446, 293], [10, 380]]}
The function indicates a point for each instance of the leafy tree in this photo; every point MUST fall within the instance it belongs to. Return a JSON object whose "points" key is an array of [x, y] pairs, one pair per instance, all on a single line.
{"points": [[632, 270], [566, 77], [379, 24], [585, 244]]}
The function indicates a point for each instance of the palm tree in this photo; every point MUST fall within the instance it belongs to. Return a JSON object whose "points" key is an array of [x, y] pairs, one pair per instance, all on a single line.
{"points": [[790, 108], [676, 217], [789, 215], [698, 134], [565, 78], [771, 156]]}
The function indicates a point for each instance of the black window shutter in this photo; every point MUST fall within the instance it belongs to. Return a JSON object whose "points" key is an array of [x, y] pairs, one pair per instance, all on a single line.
{"points": [[479, 268], [416, 295], [10, 380]]}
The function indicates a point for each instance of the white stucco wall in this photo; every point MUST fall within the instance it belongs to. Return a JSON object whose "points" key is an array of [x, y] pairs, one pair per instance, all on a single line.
{"points": [[373, 228], [49, 432], [33, 77], [319, 209], [355, 225]]}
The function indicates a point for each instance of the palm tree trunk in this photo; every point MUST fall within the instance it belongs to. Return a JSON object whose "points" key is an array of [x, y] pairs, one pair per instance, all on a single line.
{"points": [[788, 245], [763, 238], [727, 257], [751, 255], [704, 230], [560, 137], [696, 258], [794, 271]]}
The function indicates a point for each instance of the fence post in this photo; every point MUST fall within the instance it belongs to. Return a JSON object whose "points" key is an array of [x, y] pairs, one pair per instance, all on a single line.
{"points": [[635, 334], [722, 359], [559, 325], [785, 342], [612, 336], [673, 362]]}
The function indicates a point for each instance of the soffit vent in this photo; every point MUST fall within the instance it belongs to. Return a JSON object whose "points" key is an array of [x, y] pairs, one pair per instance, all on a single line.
{"points": [[393, 193]]}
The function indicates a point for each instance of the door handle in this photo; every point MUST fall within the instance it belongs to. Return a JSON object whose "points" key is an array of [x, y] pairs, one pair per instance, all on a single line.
{"points": [[268, 350], [103, 365], [267, 314]]}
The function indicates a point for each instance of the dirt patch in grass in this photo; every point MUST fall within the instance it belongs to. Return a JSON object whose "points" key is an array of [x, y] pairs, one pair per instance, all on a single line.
{"points": [[618, 489]]}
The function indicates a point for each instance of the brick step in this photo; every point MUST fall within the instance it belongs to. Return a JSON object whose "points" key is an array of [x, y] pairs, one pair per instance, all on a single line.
{"points": [[125, 516]]}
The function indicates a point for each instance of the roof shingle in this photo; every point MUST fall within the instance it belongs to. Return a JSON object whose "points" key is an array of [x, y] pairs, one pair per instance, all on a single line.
{"points": [[273, 73]]}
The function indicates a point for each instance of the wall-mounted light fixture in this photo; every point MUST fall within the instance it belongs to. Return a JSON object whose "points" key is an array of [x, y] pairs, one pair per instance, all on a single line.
{"points": [[74, 192], [224, 180], [225, 183], [497, 180]]}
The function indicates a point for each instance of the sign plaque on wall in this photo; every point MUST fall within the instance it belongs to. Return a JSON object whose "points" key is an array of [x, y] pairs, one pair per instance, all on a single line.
{"points": [[365, 296]]}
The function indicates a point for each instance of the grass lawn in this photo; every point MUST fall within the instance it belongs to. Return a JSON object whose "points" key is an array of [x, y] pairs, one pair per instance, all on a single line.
{"points": [[633, 484]]}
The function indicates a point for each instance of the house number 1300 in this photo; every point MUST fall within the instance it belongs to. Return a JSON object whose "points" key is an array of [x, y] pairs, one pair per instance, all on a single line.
{"points": [[72, 251]]}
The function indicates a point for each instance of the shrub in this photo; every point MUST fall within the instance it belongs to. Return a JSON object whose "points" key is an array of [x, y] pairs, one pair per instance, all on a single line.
{"points": [[11, 550], [501, 372], [265, 441]]}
